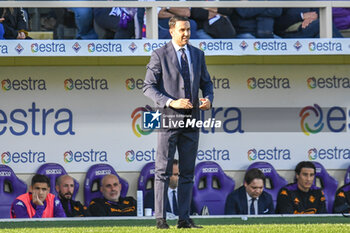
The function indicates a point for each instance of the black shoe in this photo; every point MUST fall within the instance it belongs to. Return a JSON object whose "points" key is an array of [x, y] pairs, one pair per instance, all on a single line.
{"points": [[162, 224], [187, 224]]}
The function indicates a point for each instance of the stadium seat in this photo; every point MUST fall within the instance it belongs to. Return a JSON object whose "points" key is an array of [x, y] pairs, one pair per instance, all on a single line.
{"points": [[146, 178], [328, 184], [93, 180], [347, 176], [10, 188], [211, 187], [53, 171], [274, 182]]}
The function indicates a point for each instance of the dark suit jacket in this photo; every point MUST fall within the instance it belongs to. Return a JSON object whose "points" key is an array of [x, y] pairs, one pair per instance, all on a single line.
{"points": [[236, 203], [164, 80], [148, 202]]}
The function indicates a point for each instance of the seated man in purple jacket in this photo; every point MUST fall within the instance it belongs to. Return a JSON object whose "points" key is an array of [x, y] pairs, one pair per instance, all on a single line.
{"points": [[39, 202]]}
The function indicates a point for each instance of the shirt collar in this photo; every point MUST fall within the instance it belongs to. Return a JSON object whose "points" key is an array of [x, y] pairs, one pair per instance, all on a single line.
{"points": [[249, 198], [177, 47]]}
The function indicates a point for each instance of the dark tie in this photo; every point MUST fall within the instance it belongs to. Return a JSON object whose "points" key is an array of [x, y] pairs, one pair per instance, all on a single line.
{"points": [[252, 209], [175, 209], [185, 71]]}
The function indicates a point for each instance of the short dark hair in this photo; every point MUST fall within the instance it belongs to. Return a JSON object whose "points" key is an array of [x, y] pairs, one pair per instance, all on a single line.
{"points": [[38, 178], [175, 162], [304, 164], [176, 18], [252, 174]]}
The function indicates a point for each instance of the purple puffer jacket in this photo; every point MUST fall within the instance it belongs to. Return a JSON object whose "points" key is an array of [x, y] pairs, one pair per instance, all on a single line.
{"points": [[341, 18]]}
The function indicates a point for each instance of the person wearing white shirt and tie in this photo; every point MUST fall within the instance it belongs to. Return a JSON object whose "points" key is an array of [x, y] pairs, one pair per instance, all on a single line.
{"points": [[250, 198]]}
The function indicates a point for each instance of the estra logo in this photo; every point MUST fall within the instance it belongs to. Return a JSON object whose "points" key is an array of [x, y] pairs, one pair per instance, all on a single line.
{"points": [[269, 154], [27, 84], [105, 47], [328, 83], [216, 46], [23, 157], [270, 46], [335, 153], [325, 46], [136, 117], [268, 83], [314, 120], [52, 47], [85, 156], [85, 84]]}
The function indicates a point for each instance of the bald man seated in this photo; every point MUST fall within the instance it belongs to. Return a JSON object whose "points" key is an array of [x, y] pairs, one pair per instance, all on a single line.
{"points": [[65, 190], [112, 204]]}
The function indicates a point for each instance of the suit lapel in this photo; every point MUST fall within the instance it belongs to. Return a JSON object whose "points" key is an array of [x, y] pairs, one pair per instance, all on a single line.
{"points": [[244, 202], [171, 50]]}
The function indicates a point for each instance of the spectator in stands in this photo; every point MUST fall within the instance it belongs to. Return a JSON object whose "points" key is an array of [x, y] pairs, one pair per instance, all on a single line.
{"points": [[342, 200], [38, 202], [341, 18], [255, 22], [116, 22], [300, 23], [172, 204], [302, 197], [165, 13], [213, 22], [84, 20], [14, 23], [65, 189], [250, 198], [112, 204]]}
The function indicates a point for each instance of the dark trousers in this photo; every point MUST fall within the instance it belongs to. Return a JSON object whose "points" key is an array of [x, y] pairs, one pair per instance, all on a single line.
{"points": [[186, 142]]}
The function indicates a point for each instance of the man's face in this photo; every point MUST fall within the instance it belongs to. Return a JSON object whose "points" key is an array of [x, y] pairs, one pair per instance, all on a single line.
{"points": [[110, 188], [40, 189], [66, 188], [175, 177], [181, 33], [255, 188], [305, 178]]}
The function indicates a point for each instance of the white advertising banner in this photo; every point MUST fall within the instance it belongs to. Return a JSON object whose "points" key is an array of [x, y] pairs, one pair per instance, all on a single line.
{"points": [[229, 47], [83, 115]]}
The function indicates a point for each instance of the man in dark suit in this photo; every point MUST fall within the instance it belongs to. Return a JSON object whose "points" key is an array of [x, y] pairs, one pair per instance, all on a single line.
{"points": [[174, 76], [172, 203], [251, 197]]}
